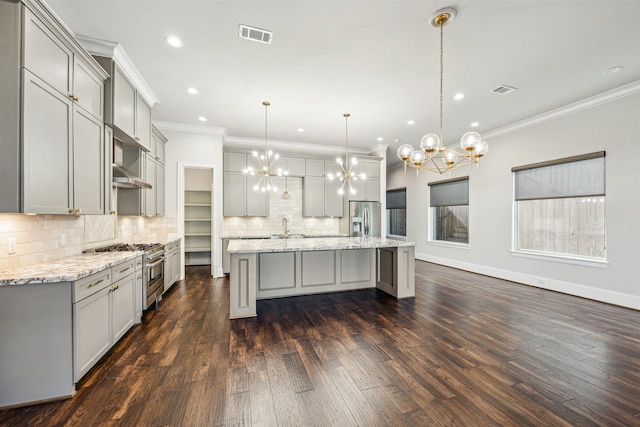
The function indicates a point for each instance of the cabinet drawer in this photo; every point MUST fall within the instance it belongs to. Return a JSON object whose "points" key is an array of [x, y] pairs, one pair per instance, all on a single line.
{"points": [[172, 247], [89, 285], [123, 269]]}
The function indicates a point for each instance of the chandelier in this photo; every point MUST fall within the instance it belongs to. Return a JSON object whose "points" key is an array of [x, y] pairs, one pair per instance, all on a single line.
{"points": [[432, 155], [265, 161], [347, 175]]}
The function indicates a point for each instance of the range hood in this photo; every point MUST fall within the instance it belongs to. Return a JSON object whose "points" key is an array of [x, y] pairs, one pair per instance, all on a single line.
{"points": [[123, 177]]}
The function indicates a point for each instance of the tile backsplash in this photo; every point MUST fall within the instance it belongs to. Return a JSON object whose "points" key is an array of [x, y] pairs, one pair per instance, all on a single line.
{"points": [[281, 207], [39, 238]]}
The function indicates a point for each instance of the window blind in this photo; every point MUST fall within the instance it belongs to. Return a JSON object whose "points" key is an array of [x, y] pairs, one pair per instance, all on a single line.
{"points": [[580, 176], [397, 199], [452, 192]]}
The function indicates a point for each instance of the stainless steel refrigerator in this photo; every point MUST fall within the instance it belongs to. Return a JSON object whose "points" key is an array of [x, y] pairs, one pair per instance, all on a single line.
{"points": [[363, 220]]}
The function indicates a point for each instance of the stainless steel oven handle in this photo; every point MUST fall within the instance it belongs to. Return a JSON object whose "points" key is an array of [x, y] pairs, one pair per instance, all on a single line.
{"points": [[155, 263]]}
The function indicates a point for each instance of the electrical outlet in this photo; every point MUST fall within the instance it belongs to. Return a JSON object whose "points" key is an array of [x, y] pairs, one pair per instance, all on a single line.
{"points": [[63, 239], [11, 243]]}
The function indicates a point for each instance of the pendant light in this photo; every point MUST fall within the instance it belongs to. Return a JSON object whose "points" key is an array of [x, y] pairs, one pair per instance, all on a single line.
{"points": [[347, 175], [432, 155], [265, 161]]}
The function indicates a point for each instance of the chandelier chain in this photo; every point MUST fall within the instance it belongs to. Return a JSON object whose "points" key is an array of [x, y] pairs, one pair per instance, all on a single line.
{"points": [[441, 76]]}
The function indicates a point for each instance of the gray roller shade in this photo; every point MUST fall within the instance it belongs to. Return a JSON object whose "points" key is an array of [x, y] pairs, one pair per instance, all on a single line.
{"points": [[579, 178], [397, 199], [454, 192]]}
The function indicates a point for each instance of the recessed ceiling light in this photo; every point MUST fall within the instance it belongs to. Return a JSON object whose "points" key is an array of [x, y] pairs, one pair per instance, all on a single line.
{"points": [[380, 139], [192, 91], [475, 124], [458, 96], [174, 41], [202, 119], [411, 122], [300, 130], [611, 70]]}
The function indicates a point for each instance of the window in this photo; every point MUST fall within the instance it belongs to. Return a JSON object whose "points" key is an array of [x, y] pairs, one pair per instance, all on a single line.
{"points": [[397, 212], [559, 207], [449, 202]]}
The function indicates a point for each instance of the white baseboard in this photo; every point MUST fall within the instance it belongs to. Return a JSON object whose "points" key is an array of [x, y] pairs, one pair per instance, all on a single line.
{"points": [[602, 295]]}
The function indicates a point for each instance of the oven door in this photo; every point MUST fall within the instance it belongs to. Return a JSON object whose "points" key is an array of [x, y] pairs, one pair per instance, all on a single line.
{"points": [[155, 281]]}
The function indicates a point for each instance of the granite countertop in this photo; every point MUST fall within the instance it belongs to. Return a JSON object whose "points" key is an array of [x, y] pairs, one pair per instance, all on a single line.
{"points": [[313, 244], [269, 236], [66, 269]]}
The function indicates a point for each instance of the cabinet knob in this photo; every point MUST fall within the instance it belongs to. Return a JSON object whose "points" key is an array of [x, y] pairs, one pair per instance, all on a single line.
{"points": [[113, 212], [73, 97], [137, 138]]}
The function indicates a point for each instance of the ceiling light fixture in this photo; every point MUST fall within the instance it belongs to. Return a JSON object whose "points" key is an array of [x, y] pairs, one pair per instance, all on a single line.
{"points": [[202, 119], [458, 96], [411, 122], [433, 156], [174, 41], [192, 91], [348, 174], [475, 124], [265, 162]]}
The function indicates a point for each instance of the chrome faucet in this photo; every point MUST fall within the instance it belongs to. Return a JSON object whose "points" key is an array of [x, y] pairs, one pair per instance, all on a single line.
{"points": [[285, 224]]}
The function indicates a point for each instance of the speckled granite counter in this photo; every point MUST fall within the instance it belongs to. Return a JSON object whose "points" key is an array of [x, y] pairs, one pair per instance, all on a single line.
{"points": [[313, 244], [67, 269], [274, 268], [270, 236]]}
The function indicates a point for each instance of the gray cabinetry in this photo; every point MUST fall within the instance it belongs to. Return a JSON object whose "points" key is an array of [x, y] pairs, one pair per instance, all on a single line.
{"points": [[58, 117], [313, 196], [172, 264], [125, 109], [333, 201], [314, 167], [368, 189], [239, 196], [296, 166]]}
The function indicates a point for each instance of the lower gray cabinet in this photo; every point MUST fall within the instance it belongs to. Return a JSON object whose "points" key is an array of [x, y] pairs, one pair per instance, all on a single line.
{"points": [[123, 306]]}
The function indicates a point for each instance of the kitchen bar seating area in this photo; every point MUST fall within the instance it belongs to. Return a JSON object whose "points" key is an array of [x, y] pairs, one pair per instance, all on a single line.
{"points": [[516, 356]]}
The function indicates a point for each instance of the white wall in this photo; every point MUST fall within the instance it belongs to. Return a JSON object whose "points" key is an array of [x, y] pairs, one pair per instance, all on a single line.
{"points": [[613, 126], [194, 146]]}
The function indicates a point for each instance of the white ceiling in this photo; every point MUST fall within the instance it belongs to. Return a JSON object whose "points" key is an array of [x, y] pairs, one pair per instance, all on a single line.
{"points": [[377, 60]]}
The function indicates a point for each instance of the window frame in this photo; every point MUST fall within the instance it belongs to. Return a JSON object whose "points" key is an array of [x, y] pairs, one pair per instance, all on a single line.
{"points": [[561, 257], [389, 234], [431, 216]]}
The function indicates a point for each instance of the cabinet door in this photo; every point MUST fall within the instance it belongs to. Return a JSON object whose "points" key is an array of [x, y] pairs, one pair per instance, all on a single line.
{"points": [[92, 331], [314, 167], [138, 290], [313, 196], [257, 202], [372, 188], [124, 103], [160, 149], [372, 168], [160, 190], [46, 56], [295, 166], [333, 201], [87, 89], [47, 117], [88, 163], [234, 162], [143, 123], [150, 193], [123, 306], [234, 194]]}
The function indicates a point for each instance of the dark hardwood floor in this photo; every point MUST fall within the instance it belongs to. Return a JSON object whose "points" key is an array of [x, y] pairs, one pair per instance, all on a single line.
{"points": [[469, 350]]}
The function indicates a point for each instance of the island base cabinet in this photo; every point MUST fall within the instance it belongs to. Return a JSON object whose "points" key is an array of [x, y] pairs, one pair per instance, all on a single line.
{"points": [[243, 284], [396, 269], [35, 344]]}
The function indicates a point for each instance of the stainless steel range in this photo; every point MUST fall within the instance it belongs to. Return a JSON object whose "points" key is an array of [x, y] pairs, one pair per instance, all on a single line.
{"points": [[153, 266]]}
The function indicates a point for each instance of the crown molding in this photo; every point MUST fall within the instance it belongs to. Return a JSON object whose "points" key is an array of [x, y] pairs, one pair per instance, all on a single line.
{"points": [[602, 98], [115, 51], [291, 147], [184, 127]]}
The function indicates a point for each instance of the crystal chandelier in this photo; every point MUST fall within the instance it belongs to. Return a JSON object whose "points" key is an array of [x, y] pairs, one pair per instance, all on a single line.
{"points": [[433, 156], [265, 161], [347, 175]]}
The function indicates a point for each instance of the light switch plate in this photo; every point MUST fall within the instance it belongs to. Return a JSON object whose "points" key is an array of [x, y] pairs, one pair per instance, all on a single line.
{"points": [[11, 244]]}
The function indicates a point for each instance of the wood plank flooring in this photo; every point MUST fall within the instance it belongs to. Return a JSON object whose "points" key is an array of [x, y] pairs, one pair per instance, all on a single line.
{"points": [[469, 350]]}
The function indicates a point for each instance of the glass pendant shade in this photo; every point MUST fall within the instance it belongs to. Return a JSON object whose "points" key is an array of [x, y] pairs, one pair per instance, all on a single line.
{"points": [[404, 152], [430, 143], [469, 141]]}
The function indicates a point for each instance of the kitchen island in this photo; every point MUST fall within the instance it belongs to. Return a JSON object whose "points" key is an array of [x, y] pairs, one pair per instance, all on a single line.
{"points": [[274, 268]]}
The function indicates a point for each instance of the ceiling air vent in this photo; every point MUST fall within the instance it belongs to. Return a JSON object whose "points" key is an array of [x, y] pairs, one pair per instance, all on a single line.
{"points": [[255, 34], [504, 89]]}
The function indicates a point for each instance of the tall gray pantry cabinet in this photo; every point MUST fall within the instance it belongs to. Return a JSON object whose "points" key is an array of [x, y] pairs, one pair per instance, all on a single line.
{"points": [[51, 128]]}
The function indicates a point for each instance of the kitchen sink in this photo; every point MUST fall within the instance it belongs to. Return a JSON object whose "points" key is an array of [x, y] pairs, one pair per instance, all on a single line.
{"points": [[288, 236]]}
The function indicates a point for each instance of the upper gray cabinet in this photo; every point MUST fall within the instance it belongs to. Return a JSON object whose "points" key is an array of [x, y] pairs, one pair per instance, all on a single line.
{"points": [[368, 189], [51, 130], [239, 197], [125, 109]]}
